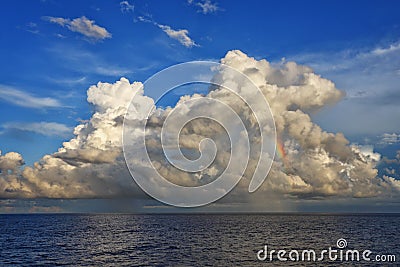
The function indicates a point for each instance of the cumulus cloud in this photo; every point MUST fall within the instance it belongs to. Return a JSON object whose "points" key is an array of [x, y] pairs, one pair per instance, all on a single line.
{"points": [[24, 99], [83, 26], [43, 128], [10, 184], [89, 165], [315, 163], [10, 162], [391, 167]]}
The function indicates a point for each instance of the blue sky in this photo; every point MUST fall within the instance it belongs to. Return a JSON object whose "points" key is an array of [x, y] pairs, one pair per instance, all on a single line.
{"points": [[47, 66]]}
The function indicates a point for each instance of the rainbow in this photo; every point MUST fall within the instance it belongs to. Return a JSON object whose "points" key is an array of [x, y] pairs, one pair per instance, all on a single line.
{"points": [[280, 150]]}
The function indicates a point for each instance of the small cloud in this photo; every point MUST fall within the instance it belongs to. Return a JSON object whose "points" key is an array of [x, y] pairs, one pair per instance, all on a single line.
{"points": [[43, 128], [206, 6], [83, 26], [24, 99], [181, 35], [59, 35], [144, 19], [126, 7]]}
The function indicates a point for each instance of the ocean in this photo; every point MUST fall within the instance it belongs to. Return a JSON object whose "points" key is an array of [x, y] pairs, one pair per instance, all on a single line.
{"points": [[194, 239]]}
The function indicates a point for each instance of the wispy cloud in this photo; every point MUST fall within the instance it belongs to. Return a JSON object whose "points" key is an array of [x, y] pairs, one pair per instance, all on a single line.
{"points": [[43, 128], [83, 26], [67, 81], [383, 51], [351, 59], [126, 6], [205, 6], [181, 35], [24, 99], [32, 28], [87, 62], [111, 71]]}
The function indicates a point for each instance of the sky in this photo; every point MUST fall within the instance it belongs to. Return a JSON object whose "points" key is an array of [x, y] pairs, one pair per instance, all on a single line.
{"points": [[52, 52]]}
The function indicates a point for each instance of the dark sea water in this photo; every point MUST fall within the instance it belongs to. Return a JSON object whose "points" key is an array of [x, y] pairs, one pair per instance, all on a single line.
{"points": [[188, 240]]}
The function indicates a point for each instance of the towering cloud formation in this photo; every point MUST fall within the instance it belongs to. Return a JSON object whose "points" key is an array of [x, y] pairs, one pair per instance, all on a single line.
{"points": [[316, 162], [310, 163], [10, 164]]}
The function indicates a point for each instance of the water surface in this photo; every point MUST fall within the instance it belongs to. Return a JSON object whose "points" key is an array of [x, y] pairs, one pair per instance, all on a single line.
{"points": [[186, 240]]}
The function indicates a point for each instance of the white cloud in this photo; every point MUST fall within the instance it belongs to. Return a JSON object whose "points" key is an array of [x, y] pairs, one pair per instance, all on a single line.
{"points": [[59, 35], [83, 26], [43, 128], [10, 161], [205, 6], [181, 35], [317, 163], [24, 99], [126, 6], [368, 153], [389, 139], [10, 164], [382, 51]]}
